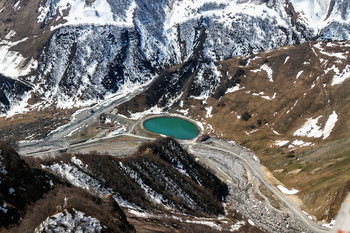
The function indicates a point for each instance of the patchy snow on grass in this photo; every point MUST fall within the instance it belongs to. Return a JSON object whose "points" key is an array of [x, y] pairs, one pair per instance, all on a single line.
{"points": [[287, 191], [237, 226], [312, 129], [281, 142], [69, 222], [207, 223], [233, 89], [330, 54], [309, 216], [258, 94], [339, 78], [268, 71], [300, 143], [183, 111], [251, 222], [10, 35], [275, 132]]}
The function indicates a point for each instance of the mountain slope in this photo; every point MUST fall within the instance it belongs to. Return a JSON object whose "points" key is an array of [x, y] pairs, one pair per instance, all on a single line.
{"points": [[288, 105], [78, 53], [181, 184], [33, 200]]}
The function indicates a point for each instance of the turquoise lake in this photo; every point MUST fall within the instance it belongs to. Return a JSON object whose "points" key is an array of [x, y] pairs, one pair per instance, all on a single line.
{"points": [[172, 126]]}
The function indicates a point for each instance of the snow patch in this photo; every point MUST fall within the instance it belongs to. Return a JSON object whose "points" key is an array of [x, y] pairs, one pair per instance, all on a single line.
{"points": [[281, 142], [233, 89], [287, 191], [333, 118], [339, 78], [298, 74], [312, 129], [209, 109], [97, 13], [285, 61], [269, 98], [268, 71]]}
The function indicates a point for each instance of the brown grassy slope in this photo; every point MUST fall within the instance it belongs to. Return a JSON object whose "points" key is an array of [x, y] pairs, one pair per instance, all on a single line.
{"points": [[34, 125], [296, 100], [24, 20]]}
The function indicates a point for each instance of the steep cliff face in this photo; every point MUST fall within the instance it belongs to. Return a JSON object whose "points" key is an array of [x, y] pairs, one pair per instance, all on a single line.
{"points": [[79, 52]]}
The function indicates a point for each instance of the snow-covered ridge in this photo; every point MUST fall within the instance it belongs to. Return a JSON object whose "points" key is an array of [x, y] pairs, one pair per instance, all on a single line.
{"points": [[98, 12]]}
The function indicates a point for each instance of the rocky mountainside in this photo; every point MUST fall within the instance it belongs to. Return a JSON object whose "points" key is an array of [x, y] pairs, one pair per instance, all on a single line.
{"points": [[34, 200], [161, 176], [78, 53]]}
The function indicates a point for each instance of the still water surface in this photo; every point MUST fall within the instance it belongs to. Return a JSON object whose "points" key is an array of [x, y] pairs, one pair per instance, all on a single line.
{"points": [[172, 126]]}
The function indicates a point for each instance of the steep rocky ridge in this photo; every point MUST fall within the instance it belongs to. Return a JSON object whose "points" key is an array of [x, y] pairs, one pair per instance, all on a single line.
{"points": [[29, 196]]}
